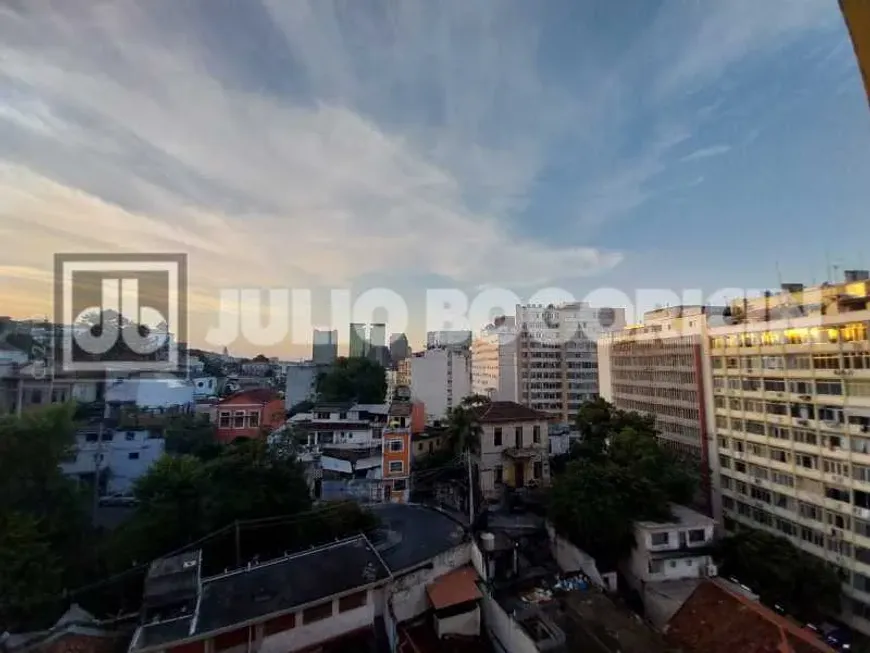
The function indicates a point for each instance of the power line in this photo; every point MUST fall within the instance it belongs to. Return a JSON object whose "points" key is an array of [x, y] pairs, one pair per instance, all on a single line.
{"points": [[68, 594]]}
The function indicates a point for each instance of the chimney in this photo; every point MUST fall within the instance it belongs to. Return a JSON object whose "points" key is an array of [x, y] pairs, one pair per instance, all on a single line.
{"points": [[852, 276]]}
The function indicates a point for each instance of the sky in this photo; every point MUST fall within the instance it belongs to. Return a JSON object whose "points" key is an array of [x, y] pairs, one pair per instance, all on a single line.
{"points": [[572, 144]]}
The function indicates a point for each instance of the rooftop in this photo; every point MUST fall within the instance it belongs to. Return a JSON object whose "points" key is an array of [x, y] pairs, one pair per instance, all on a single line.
{"points": [[683, 516], [333, 407], [255, 395], [506, 411], [413, 534], [273, 587], [717, 619], [457, 587]]}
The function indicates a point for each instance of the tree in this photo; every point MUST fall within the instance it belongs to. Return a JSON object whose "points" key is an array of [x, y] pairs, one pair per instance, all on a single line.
{"points": [[475, 400], [780, 573], [618, 474], [192, 435], [353, 379], [42, 513], [463, 431]]}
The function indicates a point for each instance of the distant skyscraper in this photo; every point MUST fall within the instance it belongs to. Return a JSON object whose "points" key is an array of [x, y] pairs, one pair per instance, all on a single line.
{"points": [[357, 345], [324, 349], [378, 351], [399, 348]]}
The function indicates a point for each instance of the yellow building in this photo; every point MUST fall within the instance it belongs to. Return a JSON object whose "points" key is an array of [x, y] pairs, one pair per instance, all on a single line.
{"points": [[791, 407]]}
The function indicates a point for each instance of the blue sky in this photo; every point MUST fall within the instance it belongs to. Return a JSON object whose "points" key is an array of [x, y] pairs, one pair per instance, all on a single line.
{"points": [[574, 143]]}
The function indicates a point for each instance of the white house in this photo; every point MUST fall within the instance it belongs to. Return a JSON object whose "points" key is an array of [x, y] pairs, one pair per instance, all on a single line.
{"points": [[126, 455], [669, 560], [152, 393]]}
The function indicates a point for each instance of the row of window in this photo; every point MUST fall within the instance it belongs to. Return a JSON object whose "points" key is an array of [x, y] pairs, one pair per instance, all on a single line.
{"points": [[499, 439], [844, 361], [852, 332], [239, 419]]}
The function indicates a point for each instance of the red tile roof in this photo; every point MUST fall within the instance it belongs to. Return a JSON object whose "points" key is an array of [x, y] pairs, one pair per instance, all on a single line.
{"points": [[505, 411], [459, 586], [717, 619], [254, 395]]}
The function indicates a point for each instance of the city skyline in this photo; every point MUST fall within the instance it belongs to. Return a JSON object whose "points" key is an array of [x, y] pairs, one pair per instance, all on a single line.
{"points": [[609, 146]]}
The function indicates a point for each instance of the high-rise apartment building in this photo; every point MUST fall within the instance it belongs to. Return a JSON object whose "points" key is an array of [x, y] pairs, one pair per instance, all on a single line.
{"points": [[453, 339], [557, 357], [657, 368], [324, 348], [357, 344], [494, 361], [790, 397], [439, 378]]}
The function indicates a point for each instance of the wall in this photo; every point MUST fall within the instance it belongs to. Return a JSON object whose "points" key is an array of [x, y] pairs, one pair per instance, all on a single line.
{"points": [[300, 384], [129, 459], [429, 375], [205, 386], [570, 558], [302, 636], [506, 633], [467, 624], [408, 593], [477, 560]]}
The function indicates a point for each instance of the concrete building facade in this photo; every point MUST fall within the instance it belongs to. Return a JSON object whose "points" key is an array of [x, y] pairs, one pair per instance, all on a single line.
{"points": [[440, 379], [557, 355], [791, 404], [494, 362]]}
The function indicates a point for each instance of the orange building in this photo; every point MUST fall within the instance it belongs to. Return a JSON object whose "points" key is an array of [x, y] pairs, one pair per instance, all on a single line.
{"points": [[396, 463], [249, 414]]}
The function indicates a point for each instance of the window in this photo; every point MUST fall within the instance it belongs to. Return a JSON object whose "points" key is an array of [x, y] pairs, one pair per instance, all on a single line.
{"points": [[536, 434], [499, 474], [224, 419], [396, 467], [399, 485], [239, 419], [342, 416], [280, 624], [518, 436], [696, 535], [130, 436], [133, 455], [317, 613], [396, 446], [36, 396], [656, 566], [659, 539], [496, 436], [253, 419], [353, 601], [538, 470]]}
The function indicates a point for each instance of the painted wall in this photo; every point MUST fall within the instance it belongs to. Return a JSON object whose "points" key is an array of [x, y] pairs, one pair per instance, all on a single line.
{"points": [[271, 416], [467, 624], [408, 595], [507, 634]]}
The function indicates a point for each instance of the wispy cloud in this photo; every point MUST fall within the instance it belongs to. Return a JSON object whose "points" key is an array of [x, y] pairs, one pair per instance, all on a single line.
{"points": [[707, 152], [314, 142]]}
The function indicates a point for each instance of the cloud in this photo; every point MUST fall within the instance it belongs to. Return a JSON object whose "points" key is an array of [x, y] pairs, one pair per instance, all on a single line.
{"points": [[314, 143], [707, 152]]}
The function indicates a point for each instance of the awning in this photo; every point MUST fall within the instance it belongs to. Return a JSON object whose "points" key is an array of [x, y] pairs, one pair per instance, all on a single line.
{"points": [[459, 586]]}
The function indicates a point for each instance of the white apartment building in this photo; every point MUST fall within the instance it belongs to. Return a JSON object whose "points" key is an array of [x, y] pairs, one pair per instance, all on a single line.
{"points": [[657, 368], [557, 357], [494, 362], [440, 379], [791, 403]]}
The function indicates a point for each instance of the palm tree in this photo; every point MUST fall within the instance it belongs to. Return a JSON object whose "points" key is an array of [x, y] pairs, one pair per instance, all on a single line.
{"points": [[463, 431]]}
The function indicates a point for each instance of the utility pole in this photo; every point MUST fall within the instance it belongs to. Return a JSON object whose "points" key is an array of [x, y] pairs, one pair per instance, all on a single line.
{"points": [[470, 489]]}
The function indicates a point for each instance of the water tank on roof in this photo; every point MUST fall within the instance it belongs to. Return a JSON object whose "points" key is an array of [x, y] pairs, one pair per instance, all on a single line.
{"points": [[488, 541]]}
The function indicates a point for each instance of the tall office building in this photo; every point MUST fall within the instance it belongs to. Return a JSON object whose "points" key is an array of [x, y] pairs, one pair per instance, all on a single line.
{"points": [[494, 361], [377, 344], [557, 355], [399, 348], [440, 378], [790, 400], [357, 344], [657, 368], [324, 349]]}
